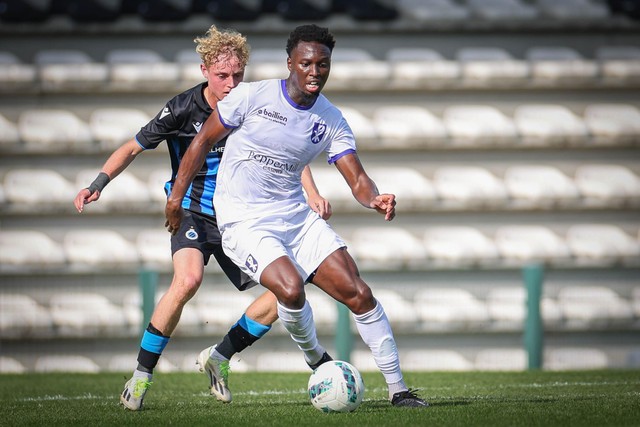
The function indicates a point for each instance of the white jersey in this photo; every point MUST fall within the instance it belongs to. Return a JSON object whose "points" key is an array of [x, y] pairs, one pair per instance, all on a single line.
{"points": [[273, 139]]}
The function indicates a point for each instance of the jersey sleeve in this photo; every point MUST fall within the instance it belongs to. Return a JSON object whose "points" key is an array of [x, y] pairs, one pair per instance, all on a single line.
{"points": [[163, 125], [232, 109], [342, 143]]}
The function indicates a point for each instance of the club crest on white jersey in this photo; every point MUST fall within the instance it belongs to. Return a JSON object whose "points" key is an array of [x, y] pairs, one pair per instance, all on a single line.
{"points": [[318, 132]]}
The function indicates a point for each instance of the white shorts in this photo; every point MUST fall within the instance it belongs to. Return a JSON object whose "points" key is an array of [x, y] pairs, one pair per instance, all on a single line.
{"points": [[302, 235]]}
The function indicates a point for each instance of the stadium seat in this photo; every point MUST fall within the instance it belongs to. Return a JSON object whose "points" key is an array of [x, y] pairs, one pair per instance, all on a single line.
{"points": [[267, 63], [111, 127], [386, 248], [585, 307], [502, 10], [232, 10], [14, 74], [549, 125], [573, 10], [282, 361], [635, 302], [507, 308], [478, 126], [619, 65], [34, 187], [491, 67], [156, 182], [399, 310], [597, 244], [325, 309], [189, 61], [444, 309], [363, 359], [613, 124], [420, 68], [370, 10], [125, 192], [573, 358], [141, 70], [163, 10], [86, 314], [525, 243], [66, 363], [26, 11], [9, 365], [219, 309], [362, 127], [334, 188], [127, 363], [99, 248], [21, 317], [607, 185], [433, 12], [501, 359], [410, 186], [154, 247], [408, 126], [539, 186], [53, 130], [70, 70], [90, 11], [468, 187], [132, 306], [9, 137], [372, 74], [560, 66], [435, 360], [458, 245], [29, 249], [303, 10]]}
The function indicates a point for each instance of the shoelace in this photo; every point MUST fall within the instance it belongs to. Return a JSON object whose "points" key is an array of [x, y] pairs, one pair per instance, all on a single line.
{"points": [[140, 386]]}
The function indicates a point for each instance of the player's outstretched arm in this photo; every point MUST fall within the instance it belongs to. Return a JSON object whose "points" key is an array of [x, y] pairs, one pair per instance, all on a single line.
{"points": [[211, 132], [318, 203], [115, 164], [364, 189]]}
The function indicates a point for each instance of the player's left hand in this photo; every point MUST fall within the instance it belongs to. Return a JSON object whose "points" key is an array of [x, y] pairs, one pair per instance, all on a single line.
{"points": [[321, 206], [173, 214], [386, 205]]}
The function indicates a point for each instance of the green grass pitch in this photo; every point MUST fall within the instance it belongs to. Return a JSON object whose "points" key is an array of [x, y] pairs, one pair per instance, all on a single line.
{"points": [[586, 398]]}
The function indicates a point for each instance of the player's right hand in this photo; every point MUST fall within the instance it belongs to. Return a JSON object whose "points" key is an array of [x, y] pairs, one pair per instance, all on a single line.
{"points": [[85, 197], [173, 214]]}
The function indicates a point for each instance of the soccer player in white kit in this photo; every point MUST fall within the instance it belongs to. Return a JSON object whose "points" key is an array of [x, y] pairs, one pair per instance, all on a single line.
{"points": [[275, 128]]}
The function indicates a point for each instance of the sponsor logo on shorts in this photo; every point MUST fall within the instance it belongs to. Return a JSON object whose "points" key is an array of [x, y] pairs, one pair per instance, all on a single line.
{"points": [[251, 263], [191, 234], [318, 132]]}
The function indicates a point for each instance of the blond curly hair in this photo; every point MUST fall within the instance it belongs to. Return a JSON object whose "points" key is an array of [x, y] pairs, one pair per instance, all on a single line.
{"points": [[222, 42]]}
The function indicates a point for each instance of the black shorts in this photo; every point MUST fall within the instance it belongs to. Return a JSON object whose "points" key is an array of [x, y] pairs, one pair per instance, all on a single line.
{"points": [[201, 232]]}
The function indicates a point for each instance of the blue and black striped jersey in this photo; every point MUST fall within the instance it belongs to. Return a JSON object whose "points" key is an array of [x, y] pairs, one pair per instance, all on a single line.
{"points": [[178, 123]]}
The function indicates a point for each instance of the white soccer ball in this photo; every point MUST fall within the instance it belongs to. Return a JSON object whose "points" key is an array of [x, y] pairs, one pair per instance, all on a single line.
{"points": [[336, 386]]}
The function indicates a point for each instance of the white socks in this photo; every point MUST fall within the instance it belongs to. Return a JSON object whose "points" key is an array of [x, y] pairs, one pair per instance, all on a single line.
{"points": [[300, 325], [375, 330]]}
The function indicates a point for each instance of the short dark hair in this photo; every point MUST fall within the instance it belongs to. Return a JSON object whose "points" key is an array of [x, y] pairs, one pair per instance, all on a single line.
{"points": [[310, 33]]}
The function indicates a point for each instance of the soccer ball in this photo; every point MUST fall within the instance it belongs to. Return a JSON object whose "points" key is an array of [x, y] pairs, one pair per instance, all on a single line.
{"points": [[336, 386]]}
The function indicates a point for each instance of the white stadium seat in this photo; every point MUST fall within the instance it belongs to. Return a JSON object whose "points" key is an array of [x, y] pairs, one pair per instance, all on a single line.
{"points": [[412, 189], [154, 247], [14, 74], [586, 306], [282, 361], [132, 307], [613, 124], [433, 12], [386, 248], [549, 125], [573, 358], [560, 66], [619, 65], [70, 70], [156, 182], [501, 359], [86, 314], [457, 245], [573, 10], [127, 363], [488, 67], [524, 243], [435, 360], [502, 10], [421, 68], [442, 309], [139, 69], [601, 244], [22, 317], [349, 62], [325, 308], [478, 126], [9, 365], [334, 188], [111, 127], [9, 136], [125, 191], [508, 310], [53, 130], [221, 308], [539, 186], [99, 248], [189, 61], [29, 249], [267, 63], [400, 311], [36, 186], [408, 126], [66, 363], [635, 301], [362, 127], [468, 186], [607, 185]]}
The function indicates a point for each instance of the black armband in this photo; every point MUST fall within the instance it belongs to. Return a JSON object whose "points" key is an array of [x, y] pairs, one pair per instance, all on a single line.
{"points": [[99, 183]]}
